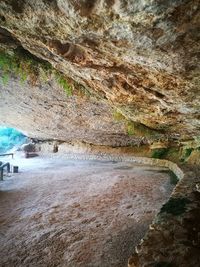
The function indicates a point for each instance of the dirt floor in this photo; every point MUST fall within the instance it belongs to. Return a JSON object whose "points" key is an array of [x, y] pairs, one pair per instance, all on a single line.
{"points": [[59, 212]]}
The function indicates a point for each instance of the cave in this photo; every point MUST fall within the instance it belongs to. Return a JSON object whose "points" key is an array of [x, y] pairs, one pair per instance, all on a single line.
{"points": [[104, 170], [10, 139]]}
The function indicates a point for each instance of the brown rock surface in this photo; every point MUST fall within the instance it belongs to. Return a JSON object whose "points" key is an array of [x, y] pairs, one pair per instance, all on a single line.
{"points": [[173, 238], [45, 112], [140, 56]]}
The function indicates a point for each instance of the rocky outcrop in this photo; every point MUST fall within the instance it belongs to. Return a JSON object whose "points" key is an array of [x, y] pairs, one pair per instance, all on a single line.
{"points": [[141, 57], [46, 112], [173, 237]]}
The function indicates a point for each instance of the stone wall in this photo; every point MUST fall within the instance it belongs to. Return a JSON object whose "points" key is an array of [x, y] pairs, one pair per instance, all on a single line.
{"points": [[90, 152], [141, 160]]}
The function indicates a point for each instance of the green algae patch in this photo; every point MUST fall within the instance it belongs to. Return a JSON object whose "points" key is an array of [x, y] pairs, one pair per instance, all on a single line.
{"points": [[140, 130], [22, 64], [175, 206], [159, 153], [187, 152], [62, 81], [118, 116], [173, 178], [26, 66]]}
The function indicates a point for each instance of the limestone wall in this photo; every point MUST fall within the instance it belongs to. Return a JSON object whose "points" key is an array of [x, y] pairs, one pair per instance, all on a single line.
{"points": [[90, 152]]}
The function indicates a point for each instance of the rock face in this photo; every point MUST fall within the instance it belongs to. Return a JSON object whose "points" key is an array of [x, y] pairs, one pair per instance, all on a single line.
{"points": [[142, 57], [173, 237], [45, 112]]}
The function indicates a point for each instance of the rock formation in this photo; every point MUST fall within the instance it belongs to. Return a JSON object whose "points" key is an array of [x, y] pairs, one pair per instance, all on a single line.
{"points": [[46, 112], [140, 57], [112, 73]]}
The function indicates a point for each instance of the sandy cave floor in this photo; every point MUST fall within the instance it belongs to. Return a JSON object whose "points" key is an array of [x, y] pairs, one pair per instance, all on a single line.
{"points": [[59, 212]]}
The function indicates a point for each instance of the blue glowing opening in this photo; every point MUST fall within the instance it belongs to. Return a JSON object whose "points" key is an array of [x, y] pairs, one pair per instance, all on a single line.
{"points": [[10, 138]]}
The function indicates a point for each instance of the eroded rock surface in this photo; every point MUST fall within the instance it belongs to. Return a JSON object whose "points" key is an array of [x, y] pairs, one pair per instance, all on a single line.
{"points": [[141, 56], [45, 112], [173, 238]]}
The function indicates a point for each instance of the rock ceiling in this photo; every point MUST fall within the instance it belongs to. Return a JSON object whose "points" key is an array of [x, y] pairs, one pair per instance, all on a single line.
{"points": [[141, 58]]}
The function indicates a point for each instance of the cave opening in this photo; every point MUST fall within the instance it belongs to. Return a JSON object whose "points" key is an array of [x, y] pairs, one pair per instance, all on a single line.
{"points": [[10, 139]]}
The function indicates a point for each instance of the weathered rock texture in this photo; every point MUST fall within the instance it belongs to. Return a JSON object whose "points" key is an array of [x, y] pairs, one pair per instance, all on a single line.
{"points": [[173, 238], [45, 112], [140, 56]]}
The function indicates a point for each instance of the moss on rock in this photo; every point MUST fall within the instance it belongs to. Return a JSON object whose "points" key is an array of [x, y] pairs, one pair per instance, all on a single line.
{"points": [[26, 66], [175, 206]]}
